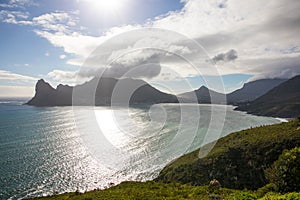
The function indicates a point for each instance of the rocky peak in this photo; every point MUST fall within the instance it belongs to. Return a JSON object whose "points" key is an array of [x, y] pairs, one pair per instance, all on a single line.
{"points": [[43, 87]]}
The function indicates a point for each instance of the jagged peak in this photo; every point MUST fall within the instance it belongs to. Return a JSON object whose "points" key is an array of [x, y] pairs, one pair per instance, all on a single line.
{"points": [[60, 86], [42, 85], [41, 81], [203, 87]]}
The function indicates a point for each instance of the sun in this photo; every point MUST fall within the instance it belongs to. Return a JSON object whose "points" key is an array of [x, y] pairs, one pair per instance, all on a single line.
{"points": [[107, 5]]}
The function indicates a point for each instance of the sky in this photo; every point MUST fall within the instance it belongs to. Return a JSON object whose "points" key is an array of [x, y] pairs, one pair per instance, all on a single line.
{"points": [[218, 43]]}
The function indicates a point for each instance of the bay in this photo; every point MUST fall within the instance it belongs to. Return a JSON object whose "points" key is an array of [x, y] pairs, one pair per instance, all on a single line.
{"points": [[44, 151]]}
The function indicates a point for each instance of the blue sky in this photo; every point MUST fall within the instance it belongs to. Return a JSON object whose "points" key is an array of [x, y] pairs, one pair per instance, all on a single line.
{"points": [[51, 39]]}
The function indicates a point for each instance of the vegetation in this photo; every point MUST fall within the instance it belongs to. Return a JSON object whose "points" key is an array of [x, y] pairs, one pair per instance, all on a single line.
{"points": [[284, 173], [155, 190], [238, 160]]}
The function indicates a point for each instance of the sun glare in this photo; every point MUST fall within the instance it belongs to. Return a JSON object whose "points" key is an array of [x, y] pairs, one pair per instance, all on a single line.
{"points": [[107, 5]]}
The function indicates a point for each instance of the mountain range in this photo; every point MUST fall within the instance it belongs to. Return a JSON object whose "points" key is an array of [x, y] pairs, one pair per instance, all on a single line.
{"points": [[99, 93], [252, 90], [282, 101], [203, 95], [269, 97]]}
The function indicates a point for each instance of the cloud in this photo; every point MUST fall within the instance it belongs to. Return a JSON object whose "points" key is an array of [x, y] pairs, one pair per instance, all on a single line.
{"points": [[16, 91], [58, 21], [14, 17], [7, 75], [266, 37], [74, 43], [246, 28], [56, 77], [80, 44], [63, 56], [60, 75], [230, 55], [145, 66], [275, 68], [18, 3]]}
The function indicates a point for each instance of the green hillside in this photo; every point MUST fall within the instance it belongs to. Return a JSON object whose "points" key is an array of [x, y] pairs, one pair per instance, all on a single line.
{"points": [[238, 160]]}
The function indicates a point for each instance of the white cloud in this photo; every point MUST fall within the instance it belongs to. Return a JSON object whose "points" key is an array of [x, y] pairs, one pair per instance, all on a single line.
{"points": [[16, 91], [255, 30], [75, 43], [265, 36], [56, 21], [7, 75], [63, 56], [56, 77], [14, 17], [16, 85], [79, 44], [60, 75], [18, 4]]}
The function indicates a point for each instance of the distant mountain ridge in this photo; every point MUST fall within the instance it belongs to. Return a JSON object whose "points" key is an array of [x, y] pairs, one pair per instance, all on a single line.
{"points": [[262, 97], [281, 101], [46, 95], [203, 95], [99, 93], [252, 90]]}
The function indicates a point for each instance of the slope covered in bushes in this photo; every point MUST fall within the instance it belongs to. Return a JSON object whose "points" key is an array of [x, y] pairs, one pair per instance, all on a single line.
{"points": [[238, 160]]}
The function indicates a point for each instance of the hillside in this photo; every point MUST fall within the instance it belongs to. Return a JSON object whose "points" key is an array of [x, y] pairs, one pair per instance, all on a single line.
{"points": [[203, 95], [99, 93], [237, 160], [172, 191], [253, 90], [281, 101]]}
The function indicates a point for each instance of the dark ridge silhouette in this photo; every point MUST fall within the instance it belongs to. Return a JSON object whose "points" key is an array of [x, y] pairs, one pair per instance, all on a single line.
{"points": [[253, 90], [46, 95], [281, 101], [99, 93], [204, 95]]}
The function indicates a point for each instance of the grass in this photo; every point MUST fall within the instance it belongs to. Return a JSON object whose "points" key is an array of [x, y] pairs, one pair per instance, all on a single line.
{"points": [[155, 190]]}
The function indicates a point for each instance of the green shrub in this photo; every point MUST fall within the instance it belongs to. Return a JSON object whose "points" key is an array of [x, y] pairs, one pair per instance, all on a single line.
{"points": [[284, 173], [276, 196], [271, 187], [243, 196]]}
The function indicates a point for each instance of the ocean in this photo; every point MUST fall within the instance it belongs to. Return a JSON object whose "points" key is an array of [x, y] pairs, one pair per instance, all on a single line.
{"points": [[45, 151]]}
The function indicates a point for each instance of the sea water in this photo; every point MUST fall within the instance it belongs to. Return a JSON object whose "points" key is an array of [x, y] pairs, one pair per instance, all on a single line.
{"points": [[45, 151]]}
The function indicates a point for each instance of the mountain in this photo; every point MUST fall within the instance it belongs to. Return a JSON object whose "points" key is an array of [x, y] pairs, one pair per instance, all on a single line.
{"points": [[46, 95], [237, 160], [253, 90], [100, 92], [204, 95], [248, 92], [281, 101]]}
